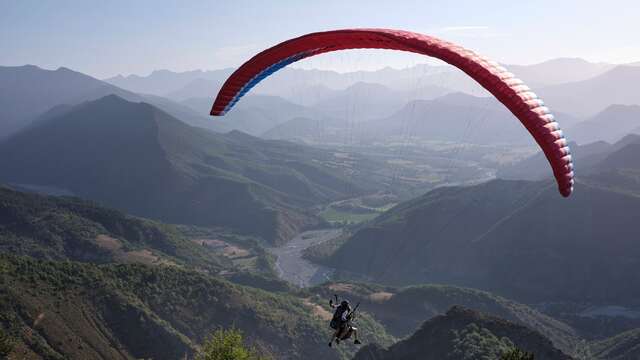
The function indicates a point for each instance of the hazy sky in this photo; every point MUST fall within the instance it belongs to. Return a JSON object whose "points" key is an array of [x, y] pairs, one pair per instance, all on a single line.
{"points": [[109, 37]]}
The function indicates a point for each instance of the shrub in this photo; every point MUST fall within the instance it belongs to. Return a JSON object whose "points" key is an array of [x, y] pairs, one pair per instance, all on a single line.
{"points": [[516, 354], [227, 345]]}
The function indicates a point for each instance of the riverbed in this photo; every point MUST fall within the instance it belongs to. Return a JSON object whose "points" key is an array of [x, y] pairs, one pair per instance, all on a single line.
{"points": [[293, 268]]}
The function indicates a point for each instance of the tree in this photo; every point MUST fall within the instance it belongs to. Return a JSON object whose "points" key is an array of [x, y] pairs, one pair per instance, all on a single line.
{"points": [[516, 354], [227, 345]]}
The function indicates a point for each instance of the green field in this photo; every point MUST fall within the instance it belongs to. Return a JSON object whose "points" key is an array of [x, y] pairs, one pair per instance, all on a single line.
{"points": [[334, 216]]}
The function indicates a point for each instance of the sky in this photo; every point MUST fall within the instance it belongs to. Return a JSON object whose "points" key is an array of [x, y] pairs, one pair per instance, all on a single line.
{"points": [[107, 38]]}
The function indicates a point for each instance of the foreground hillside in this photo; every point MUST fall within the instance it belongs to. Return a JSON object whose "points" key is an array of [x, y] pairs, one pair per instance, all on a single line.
{"points": [[67, 310], [136, 158], [465, 334], [55, 228], [519, 239]]}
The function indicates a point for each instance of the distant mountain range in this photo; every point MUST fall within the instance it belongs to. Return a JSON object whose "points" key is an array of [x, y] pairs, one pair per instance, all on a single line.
{"points": [[291, 80], [565, 83], [610, 125], [588, 97], [455, 117], [393, 110], [589, 157], [256, 114], [137, 158], [559, 71], [163, 82], [612, 166]]}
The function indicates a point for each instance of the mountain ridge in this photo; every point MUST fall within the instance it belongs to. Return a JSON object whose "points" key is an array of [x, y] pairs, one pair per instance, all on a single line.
{"points": [[464, 333], [173, 166]]}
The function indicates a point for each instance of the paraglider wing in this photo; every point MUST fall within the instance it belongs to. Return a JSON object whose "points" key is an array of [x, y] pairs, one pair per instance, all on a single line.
{"points": [[509, 90]]}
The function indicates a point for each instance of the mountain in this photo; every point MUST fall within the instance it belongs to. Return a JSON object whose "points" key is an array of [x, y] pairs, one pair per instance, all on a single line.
{"points": [[611, 166], [361, 101], [587, 157], [255, 114], [164, 82], [588, 97], [455, 117], [402, 310], [195, 84], [197, 88], [625, 346], [185, 113], [514, 238], [150, 297], [28, 91], [309, 86], [56, 228], [624, 156], [558, 71], [354, 114], [136, 158], [620, 170], [308, 130], [610, 125], [465, 334], [69, 310]]}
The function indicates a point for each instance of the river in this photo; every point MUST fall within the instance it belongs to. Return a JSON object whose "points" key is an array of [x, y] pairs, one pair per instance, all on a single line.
{"points": [[293, 268]]}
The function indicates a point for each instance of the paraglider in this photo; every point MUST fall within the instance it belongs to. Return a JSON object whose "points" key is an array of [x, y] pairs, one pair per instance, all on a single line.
{"points": [[342, 321], [509, 90]]}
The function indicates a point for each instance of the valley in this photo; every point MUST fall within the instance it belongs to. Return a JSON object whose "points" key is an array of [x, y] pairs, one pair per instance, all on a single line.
{"points": [[133, 225], [293, 268]]}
